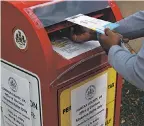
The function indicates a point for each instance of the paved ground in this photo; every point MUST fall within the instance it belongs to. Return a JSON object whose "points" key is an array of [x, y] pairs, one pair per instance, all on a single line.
{"points": [[132, 107]]}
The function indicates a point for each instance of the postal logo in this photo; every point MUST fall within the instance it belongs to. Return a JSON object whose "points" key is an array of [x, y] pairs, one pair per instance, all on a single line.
{"points": [[20, 39], [90, 92], [13, 84]]}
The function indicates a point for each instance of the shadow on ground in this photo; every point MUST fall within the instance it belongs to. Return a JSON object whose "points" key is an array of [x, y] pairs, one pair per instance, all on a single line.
{"points": [[132, 108]]}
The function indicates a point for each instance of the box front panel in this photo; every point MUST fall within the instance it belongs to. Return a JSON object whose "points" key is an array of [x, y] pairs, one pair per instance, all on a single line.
{"points": [[71, 97]]}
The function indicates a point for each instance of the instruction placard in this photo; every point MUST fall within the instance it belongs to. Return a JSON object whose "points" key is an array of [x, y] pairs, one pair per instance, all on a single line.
{"points": [[21, 96], [15, 100], [88, 103], [69, 49], [92, 23]]}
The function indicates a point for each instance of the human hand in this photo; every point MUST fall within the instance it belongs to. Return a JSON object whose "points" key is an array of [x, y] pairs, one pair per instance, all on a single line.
{"points": [[124, 40], [85, 35], [110, 38]]}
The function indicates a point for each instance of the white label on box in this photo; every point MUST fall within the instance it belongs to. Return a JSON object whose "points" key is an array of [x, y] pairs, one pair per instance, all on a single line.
{"points": [[15, 100], [92, 23], [21, 97], [69, 49], [88, 103]]}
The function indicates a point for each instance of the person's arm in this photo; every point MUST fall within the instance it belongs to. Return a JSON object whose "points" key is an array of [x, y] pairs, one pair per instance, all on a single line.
{"points": [[132, 26], [130, 66]]}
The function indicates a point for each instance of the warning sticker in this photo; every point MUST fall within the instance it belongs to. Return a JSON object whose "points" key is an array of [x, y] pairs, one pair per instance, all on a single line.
{"points": [[66, 99], [110, 114], [111, 89], [15, 100], [92, 23], [69, 49], [88, 103], [21, 97]]}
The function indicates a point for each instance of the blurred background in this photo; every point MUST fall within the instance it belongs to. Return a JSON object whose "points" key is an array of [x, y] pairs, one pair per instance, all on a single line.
{"points": [[127, 8], [132, 107]]}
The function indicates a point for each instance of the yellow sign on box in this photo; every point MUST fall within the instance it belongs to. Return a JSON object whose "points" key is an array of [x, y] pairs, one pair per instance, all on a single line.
{"points": [[111, 85], [65, 98], [110, 114]]}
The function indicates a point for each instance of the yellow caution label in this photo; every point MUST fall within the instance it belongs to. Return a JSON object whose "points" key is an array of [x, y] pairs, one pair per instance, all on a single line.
{"points": [[65, 99], [111, 85], [110, 114]]}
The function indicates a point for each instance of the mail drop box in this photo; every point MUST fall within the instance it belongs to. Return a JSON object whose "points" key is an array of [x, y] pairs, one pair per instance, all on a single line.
{"points": [[49, 80]]}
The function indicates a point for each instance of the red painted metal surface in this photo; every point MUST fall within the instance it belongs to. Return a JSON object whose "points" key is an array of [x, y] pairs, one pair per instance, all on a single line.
{"points": [[118, 100], [28, 3], [43, 61], [38, 58], [115, 9]]}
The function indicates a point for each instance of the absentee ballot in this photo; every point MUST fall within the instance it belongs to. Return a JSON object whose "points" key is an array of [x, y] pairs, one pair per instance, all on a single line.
{"points": [[92, 23]]}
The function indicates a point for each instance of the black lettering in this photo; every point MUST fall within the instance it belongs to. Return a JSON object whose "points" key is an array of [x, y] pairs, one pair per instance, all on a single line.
{"points": [[9, 96], [15, 115], [94, 105], [11, 117], [11, 102], [92, 111], [21, 124], [23, 100], [20, 119], [11, 121], [107, 122], [16, 110], [99, 106], [10, 112], [82, 107], [78, 119], [34, 105], [100, 97], [92, 101], [95, 120], [66, 109], [24, 110], [111, 85], [33, 115], [18, 102], [81, 112], [11, 93]]}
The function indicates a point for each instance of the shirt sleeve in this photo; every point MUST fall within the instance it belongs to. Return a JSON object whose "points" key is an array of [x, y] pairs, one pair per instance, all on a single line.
{"points": [[130, 66], [132, 27]]}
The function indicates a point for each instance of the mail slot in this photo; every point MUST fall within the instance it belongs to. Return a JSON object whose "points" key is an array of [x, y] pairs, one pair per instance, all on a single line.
{"points": [[49, 80]]}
